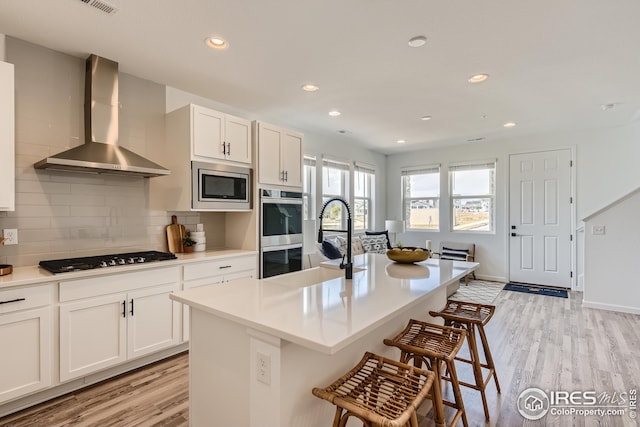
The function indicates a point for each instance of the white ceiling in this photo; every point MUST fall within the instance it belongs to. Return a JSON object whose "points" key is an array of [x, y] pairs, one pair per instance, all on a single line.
{"points": [[552, 64]]}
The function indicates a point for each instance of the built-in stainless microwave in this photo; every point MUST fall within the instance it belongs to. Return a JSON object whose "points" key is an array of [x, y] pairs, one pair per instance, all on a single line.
{"points": [[220, 187]]}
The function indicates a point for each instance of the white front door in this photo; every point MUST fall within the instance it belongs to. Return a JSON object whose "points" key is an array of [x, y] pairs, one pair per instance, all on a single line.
{"points": [[540, 218]]}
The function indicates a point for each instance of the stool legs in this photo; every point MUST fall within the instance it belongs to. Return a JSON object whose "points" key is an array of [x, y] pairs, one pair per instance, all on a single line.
{"points": [[476, 362]]}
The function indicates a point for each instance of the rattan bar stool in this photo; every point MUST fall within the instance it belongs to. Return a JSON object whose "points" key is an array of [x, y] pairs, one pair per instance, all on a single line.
{"points": [[379, 392], [435, 346], [471, 316]]}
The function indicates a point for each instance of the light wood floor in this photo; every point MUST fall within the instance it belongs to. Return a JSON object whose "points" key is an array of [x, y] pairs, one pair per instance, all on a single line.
{"points": [[537, 341]]}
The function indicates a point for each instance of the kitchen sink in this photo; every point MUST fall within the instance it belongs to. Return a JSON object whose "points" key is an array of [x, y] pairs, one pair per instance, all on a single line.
{"points": [[308, 277]]}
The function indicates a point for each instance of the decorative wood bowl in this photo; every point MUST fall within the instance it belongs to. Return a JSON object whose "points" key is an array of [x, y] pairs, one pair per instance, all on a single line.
{"points": [[407, 254]]}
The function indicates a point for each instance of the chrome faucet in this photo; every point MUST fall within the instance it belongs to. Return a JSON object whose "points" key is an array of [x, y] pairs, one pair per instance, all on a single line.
{"points": [[348, 266]]}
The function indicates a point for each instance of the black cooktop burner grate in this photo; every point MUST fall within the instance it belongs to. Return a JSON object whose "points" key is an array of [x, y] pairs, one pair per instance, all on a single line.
{"points": [[102, 261]]}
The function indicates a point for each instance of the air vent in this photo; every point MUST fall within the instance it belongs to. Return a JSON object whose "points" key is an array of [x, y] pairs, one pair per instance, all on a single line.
{"points": [[102, 6]]}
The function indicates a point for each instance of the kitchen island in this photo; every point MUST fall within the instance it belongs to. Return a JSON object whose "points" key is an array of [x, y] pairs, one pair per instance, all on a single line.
{"points": [[258, 347]]}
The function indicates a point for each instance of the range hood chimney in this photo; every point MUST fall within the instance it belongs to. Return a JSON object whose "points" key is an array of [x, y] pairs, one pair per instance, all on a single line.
{"points": [[100, 153]]}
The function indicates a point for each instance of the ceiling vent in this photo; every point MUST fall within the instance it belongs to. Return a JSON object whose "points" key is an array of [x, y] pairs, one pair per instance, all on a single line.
{"points": [[102, 6]]}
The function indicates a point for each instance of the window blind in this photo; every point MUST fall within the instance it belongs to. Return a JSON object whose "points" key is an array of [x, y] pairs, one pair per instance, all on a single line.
{"points": [[334, 164], [484, 164], [364, 168], [420, 170]]}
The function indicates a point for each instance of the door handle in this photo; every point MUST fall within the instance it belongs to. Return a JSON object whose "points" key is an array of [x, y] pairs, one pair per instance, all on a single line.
{"points": [[514, 234]]}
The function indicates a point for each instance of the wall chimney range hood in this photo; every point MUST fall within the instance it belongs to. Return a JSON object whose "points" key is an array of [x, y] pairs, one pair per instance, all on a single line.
{"points": [[100, 153]]}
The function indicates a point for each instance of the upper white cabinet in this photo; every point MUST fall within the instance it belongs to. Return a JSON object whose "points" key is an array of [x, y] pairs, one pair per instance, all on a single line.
{"points": [[219, 136], [7, 138], [26, 333], [279, 154], [195, 133]]}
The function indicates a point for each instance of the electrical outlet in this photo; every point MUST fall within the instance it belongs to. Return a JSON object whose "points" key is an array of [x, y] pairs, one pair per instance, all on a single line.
{"points": [[597, 229], [263, 368], [10, 236]]}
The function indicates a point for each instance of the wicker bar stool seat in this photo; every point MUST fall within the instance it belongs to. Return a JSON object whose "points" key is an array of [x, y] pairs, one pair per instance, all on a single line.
{"points": [[471, 317], [379, 392], [436, 346]]}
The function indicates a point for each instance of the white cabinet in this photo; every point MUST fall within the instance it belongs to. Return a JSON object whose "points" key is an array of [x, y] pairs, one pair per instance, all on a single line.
{"points": [[279, 154], [195, 133], [213, 272], [107, 320], [26, 336], [7, 138], [219, 136]]}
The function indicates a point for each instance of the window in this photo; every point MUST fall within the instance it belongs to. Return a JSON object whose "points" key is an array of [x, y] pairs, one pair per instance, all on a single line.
{"points": [[309, 188], [421, 197], [363, 187], [473, 196], [335, 181]]}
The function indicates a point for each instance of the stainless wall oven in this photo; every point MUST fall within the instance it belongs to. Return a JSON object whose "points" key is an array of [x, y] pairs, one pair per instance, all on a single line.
{"points": [[280, 232]]}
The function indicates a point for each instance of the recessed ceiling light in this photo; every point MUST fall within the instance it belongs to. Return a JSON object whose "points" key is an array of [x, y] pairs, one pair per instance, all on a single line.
{"points": [[608, 106], [509, 124], [417, 41], [216, 42], [425, 118], [400, 141], [478, 78], [310, 87], [342, 131], [334, 113]]}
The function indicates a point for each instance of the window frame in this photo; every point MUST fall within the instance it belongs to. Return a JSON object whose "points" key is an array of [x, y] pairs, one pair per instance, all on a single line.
{"points": [[490, 165], [406, 201], [345, 170], [369, 173], [309, 175]]}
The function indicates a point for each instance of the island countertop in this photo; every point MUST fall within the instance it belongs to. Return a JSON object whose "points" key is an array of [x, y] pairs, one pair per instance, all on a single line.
{"points": [[318, 308]]}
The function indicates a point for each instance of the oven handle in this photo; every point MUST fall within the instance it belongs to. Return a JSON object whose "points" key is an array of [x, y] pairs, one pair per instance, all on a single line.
{"points": [[284, 201], [281, 247]]}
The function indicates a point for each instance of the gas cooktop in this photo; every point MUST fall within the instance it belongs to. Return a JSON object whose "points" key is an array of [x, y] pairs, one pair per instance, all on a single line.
{"points": [[103, 261]]}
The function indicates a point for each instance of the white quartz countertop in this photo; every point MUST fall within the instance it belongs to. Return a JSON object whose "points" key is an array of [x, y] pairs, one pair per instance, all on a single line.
{"points": [[31, 275], [325, 314]]}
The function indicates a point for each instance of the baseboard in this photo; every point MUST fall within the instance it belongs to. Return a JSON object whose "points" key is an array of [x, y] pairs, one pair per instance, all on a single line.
{"points": [[491, 278], [611, 307]]}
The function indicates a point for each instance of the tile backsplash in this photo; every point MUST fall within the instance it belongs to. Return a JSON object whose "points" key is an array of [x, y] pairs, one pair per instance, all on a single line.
{"points": [[67, 214]]}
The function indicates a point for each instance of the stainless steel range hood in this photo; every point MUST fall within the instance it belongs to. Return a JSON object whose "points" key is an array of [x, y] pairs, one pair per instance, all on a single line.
{"points": [[100, 153]]}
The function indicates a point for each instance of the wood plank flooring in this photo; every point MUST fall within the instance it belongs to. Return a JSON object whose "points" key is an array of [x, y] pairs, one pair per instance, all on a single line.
{"points": [[537, 341]]}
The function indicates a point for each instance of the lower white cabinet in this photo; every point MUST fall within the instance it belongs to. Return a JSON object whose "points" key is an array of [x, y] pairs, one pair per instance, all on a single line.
{"points": [[103, 331], [26, 336], [212, 272]]}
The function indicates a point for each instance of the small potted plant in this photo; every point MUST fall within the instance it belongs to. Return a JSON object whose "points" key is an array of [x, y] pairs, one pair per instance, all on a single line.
{"points": [[188, 243]]}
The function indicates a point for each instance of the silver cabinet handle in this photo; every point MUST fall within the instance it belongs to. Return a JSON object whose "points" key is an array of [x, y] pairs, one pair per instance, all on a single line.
{"points": [[228, 148], [224, 148]]}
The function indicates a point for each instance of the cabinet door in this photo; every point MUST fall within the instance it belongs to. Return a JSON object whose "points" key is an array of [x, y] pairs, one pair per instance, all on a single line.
{"points": [[7, 138], [153, 320], [269, 139], [208, 133], [25, 360], [237, 135], [92, 335], [291, 152]]}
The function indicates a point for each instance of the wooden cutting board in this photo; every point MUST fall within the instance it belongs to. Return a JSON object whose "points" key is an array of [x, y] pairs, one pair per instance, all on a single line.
{"points": [[175, 234]]}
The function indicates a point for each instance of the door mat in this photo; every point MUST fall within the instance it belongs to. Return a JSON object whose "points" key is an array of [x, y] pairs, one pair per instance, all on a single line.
{"points": [[533, 289]]}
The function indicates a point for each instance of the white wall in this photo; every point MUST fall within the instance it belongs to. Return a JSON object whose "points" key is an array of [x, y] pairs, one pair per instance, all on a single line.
{"points": [[611, 280], [605, 170]]}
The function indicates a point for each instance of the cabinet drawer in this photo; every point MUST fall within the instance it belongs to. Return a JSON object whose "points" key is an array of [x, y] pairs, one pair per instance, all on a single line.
{"points": [[219, 267], [23, 298], [118, 282]]}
